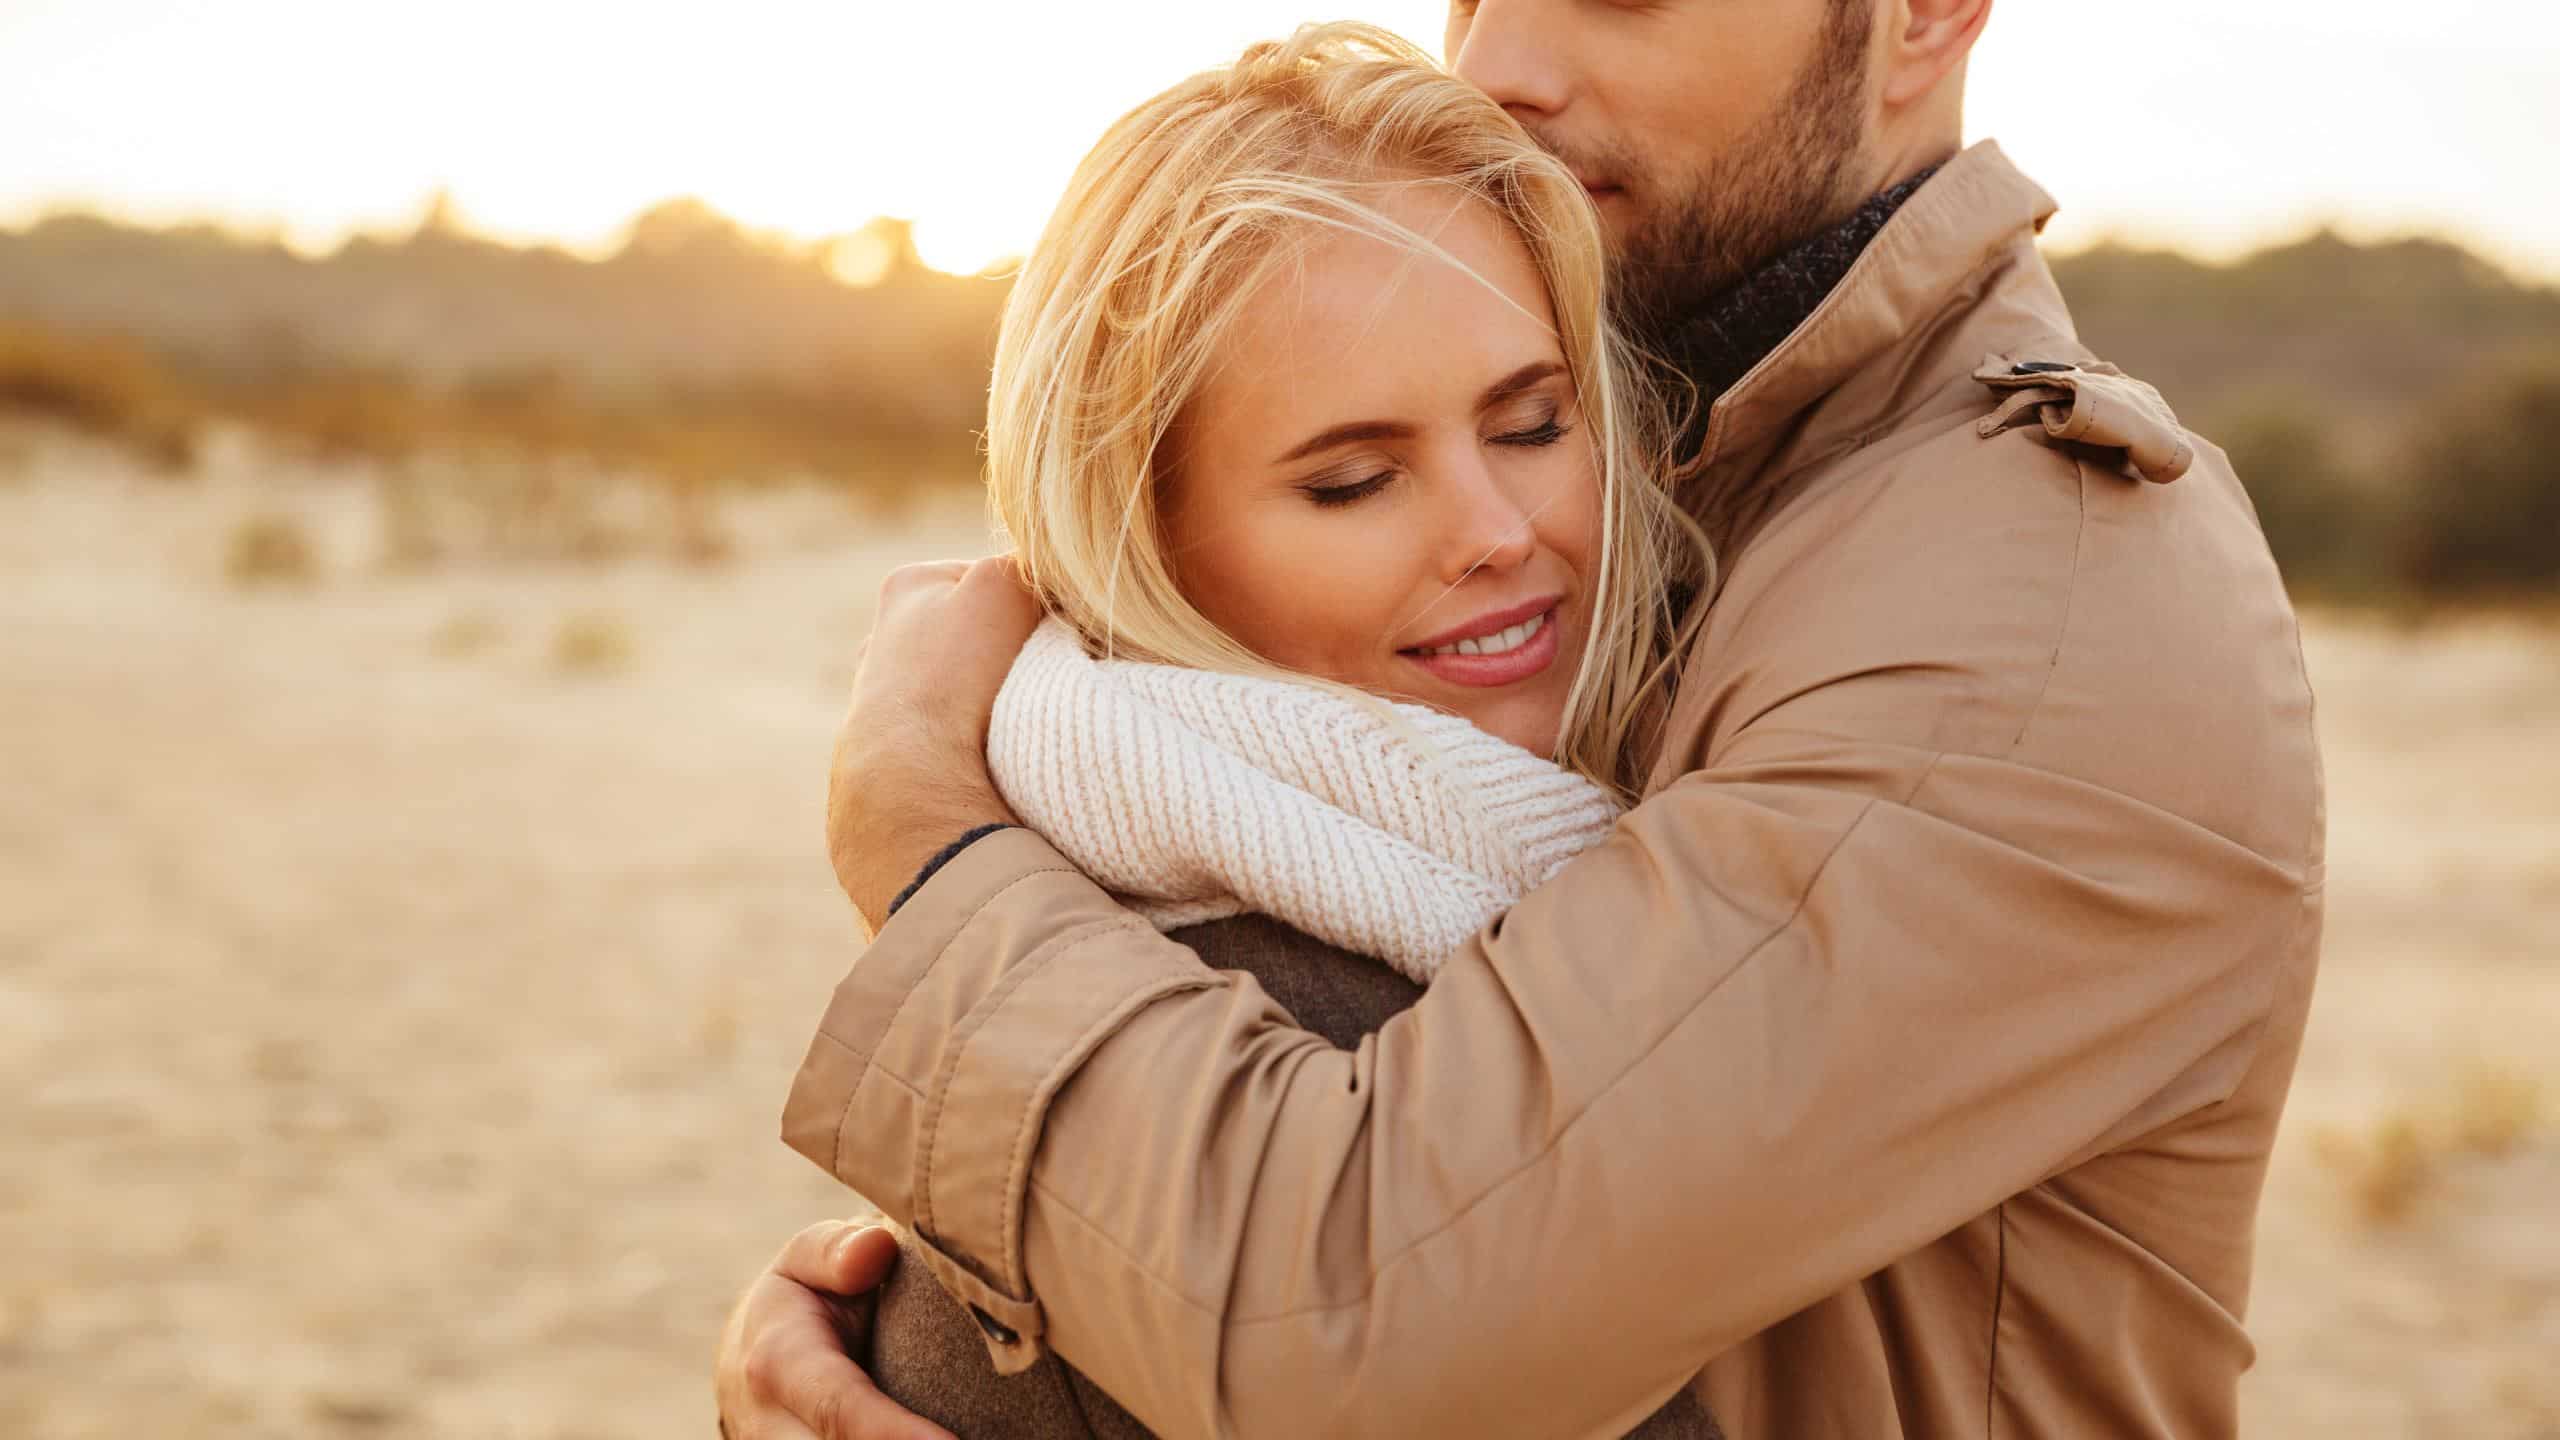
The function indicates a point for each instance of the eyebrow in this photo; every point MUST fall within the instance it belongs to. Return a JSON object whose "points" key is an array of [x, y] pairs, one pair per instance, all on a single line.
{"points": [[1357, 431]]}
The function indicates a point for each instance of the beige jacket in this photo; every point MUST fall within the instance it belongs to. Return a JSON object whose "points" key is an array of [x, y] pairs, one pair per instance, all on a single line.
{"points": [[1907, 1063], [927, 1351]]}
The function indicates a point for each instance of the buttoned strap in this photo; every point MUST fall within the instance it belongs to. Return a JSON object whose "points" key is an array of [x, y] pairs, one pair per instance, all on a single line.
{"points": [[2089, 403], [1011, 1325]]}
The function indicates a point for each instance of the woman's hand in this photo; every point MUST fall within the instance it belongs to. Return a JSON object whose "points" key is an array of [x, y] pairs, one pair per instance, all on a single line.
{"points": [[910, 771], [783, 1371]]}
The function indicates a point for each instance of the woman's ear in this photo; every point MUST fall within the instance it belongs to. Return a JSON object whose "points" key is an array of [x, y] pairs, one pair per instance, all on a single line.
{"points": [[1931, 40]]}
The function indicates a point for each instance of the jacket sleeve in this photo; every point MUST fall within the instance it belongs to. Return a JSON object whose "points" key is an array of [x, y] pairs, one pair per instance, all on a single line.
{"points": [[1807, 1010]]}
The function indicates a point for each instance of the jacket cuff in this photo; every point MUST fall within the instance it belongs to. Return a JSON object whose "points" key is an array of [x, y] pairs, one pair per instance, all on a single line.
{"points": [[928, 1080], [942, 857]]}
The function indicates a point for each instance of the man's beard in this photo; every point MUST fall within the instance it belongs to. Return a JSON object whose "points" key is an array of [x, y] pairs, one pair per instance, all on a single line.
{"points": [[1787, 179]]}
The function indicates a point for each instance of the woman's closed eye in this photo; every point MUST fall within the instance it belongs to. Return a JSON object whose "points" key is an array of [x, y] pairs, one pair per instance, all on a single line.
{"points": [[1529, 422], [1545, 432], [1334, 491]]}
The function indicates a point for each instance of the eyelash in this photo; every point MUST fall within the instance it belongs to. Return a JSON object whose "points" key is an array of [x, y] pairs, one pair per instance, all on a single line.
{"points": [[1329, 496], [1545, 432]]}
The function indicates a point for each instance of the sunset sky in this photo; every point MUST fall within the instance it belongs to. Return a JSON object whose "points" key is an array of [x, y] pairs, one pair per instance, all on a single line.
{"points": [[2211, 124]]}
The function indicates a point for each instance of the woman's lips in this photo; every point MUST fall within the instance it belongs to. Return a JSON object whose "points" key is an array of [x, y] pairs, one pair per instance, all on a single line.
{"points": [[1530, 657]]}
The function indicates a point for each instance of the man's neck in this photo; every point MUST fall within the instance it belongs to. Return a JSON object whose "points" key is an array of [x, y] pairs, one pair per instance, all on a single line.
{"points": [[1718, 343]]}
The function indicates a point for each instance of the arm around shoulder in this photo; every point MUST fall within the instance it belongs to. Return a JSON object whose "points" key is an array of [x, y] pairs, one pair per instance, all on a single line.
{"points": [[1742, 1040]]}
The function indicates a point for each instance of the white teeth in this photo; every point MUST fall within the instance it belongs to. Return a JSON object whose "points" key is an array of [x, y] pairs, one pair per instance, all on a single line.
{"points": [[1495, 644]]}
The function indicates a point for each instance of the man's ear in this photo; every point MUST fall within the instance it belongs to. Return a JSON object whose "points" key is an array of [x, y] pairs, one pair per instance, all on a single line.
{"points": [[1933, 39]]}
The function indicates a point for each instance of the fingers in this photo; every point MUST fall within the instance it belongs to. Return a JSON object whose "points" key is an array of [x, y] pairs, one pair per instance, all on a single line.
{"points": [[909, 768], [1005, 591], [793, 1378], [922, 576], [797, 1367], [993, 582], [839, 1402], [838, 1257], [800, 1378]]}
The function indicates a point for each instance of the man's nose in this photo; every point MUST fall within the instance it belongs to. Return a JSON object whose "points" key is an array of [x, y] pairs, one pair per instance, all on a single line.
{"points": [[1504, 49]]}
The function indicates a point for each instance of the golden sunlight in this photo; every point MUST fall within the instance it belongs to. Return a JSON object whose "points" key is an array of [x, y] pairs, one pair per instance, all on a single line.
{"points": [[2191, 123]]}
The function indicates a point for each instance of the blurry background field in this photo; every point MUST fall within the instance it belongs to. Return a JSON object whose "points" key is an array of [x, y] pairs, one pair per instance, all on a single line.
{"points": [[418, 653]]}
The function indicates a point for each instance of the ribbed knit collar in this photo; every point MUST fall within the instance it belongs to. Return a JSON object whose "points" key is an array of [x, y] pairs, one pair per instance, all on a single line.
{"points": [[1389, 830]]}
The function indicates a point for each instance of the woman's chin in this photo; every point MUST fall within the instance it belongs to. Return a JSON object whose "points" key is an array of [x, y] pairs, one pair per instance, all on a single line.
{"points": [[1531, 726]]}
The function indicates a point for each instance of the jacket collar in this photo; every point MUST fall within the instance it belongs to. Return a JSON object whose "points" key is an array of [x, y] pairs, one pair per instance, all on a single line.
{"points": [[1972, 209]]}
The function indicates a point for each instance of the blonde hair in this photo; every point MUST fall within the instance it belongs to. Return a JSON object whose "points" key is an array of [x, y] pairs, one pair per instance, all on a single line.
{"points": [[1162, 238]]}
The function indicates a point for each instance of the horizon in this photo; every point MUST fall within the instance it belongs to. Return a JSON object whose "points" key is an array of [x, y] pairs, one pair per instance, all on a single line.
{"points": [[2213, 133], [853, 270]]}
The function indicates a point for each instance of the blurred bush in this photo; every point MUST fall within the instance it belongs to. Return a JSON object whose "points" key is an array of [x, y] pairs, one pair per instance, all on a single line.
{"points": [[591, 642], [2393, 409], [2478, 513], [269, 549], [105, 385], [2315, 498]]}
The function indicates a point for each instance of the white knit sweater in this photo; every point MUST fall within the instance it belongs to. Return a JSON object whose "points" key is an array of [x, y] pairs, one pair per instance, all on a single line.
{"points": [[1197, 795]]}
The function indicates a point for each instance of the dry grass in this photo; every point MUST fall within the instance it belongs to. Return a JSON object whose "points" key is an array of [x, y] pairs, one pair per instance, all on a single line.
{"points": [[591, 642], [699, 536], [2383, 1174], [105, 385], [2389, 1171], [2496, 1109], [17, 455], [471, 996], [543, 511], [269, 548], [465, 634], [507, 467]]}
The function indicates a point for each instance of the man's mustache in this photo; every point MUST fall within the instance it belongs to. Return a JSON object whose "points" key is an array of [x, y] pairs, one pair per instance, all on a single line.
{"points": [[1593, 171]]}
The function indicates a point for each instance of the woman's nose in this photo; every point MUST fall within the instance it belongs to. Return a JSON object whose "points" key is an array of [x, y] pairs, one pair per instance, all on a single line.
{"points": [[1488, 526]]}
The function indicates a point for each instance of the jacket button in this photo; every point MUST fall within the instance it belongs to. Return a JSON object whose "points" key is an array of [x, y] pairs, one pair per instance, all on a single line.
{"points": [[996, 1329]]}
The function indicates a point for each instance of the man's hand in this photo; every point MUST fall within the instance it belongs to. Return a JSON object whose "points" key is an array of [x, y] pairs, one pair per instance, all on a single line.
{"points": [[910, 772], [783, 1372]]}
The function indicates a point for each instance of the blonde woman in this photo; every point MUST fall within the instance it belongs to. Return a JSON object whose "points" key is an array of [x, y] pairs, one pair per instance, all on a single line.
{"points": [[1311, 434]]}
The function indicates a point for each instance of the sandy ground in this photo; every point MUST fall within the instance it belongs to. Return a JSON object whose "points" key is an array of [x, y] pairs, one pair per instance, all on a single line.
{"points": [[396, 996]]}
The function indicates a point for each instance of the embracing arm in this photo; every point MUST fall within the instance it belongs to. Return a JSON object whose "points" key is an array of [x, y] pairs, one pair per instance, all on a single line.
{"points": [[1792, 1022], [1998, 844]]}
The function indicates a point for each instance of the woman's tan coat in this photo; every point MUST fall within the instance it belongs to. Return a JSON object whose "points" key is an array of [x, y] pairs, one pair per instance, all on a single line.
{"points": [[1907, 1063]]}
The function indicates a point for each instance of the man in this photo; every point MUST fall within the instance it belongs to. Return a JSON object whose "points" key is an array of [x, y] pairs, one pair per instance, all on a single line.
{"points": [[1909, 1061]]}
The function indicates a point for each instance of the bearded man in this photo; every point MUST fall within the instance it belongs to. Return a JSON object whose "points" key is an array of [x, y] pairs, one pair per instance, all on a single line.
{"points": [[1956, 960]]}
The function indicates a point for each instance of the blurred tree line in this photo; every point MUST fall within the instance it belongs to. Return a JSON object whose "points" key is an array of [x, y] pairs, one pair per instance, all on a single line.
{"points": [[697, 349], [2393, 408]]}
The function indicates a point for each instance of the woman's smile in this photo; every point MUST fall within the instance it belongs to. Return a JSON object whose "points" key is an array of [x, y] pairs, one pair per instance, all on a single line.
{"points": [[1499, 647]]}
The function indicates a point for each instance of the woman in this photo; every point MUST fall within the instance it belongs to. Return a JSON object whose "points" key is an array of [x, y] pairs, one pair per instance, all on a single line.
{"points": [[1310, 432]]}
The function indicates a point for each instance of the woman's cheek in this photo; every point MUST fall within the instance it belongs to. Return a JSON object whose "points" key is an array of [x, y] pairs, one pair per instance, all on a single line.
{"points": [[1334, 612], [1329, 593], [1573, 513]]}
